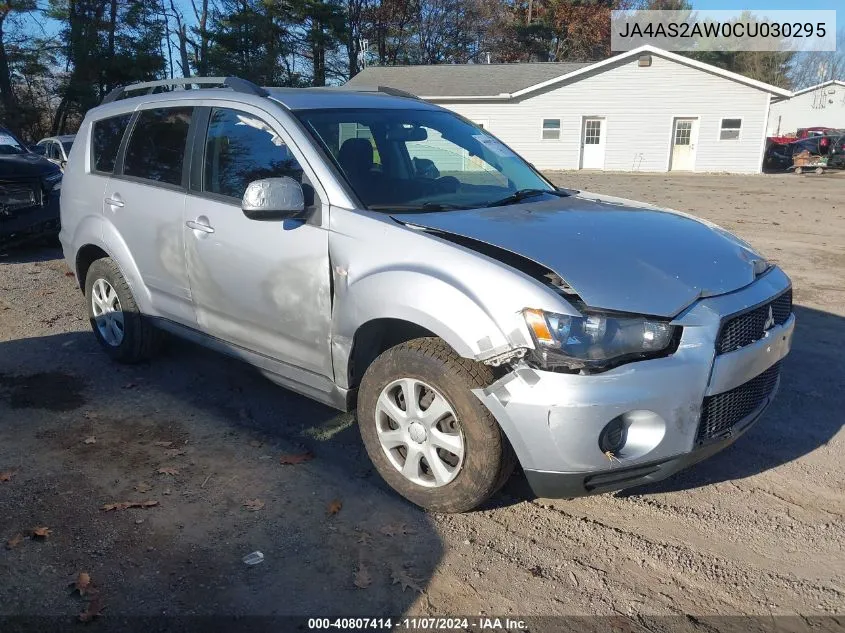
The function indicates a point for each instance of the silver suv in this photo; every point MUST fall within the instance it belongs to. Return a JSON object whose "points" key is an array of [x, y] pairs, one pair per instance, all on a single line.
{"points": [[373, 251]]}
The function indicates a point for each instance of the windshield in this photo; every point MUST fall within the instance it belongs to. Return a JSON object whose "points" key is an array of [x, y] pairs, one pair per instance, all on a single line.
{"points": [[420, 159], [67, 145], [10, 145]]}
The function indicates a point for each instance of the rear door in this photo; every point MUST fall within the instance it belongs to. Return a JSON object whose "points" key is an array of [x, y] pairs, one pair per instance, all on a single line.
{"points": [[145, 200]]}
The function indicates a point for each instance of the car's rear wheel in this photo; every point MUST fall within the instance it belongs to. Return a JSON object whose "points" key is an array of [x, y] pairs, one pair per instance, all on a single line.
{"points": [[122, 331], [428, 435]]}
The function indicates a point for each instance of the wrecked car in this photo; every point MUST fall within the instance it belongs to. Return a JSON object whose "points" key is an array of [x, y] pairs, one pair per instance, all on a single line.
{"points": [[386, 256]]}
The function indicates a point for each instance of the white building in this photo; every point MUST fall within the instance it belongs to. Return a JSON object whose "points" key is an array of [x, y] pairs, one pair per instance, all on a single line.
{"points": [[818, 106], [644, 110]]}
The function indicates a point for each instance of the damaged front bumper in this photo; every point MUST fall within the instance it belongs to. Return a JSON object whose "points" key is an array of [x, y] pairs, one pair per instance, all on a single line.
{"points": [[554, 420]]}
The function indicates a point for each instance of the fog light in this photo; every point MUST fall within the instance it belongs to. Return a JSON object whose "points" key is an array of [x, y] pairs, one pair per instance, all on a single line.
{"points": [[613, 436]]}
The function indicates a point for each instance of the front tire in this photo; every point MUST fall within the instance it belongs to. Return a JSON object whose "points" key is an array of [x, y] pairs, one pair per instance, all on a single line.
{"points": [[428, 435], [120, 328]]}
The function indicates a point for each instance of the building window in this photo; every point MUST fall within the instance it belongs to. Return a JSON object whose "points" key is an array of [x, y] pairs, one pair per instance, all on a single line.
{"points": [[551, 129], [730, 129]]}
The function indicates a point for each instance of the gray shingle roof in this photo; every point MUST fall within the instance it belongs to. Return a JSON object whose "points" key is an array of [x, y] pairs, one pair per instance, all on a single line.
{"points": [[465, 80]]}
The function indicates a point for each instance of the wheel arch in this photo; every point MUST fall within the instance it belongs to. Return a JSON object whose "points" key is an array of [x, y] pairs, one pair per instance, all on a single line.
{"points": [[389, 308]]}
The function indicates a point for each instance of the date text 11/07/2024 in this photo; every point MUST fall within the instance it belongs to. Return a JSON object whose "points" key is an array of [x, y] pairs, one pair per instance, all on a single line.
{"points": [[480, 624]]}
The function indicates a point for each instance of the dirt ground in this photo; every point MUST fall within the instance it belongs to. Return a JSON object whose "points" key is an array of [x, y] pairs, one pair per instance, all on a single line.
{"points": [[758, 529]]}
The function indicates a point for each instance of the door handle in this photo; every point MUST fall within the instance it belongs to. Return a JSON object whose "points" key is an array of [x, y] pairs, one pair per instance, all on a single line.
{"points": [[114, 202], [199, 226]]}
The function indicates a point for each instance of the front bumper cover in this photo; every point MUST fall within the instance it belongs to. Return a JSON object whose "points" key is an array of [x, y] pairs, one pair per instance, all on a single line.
{"points": [[557, 485], [553, 420]]}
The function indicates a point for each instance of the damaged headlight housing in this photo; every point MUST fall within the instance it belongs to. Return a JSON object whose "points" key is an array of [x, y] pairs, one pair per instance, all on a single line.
{"points": [[596, 340]]}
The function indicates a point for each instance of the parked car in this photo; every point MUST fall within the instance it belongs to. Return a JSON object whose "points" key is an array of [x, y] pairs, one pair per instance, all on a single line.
{"points": [[56, 148], [29, 192], [473, 315], [780, 155]]}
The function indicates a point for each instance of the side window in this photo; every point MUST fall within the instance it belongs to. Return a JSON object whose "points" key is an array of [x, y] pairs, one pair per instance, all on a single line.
{"points": [[106, 136], [240, 148], [156, 148]]}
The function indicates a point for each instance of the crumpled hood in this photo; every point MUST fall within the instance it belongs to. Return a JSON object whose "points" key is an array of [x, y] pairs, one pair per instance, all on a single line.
{"points": [[616, 254]]}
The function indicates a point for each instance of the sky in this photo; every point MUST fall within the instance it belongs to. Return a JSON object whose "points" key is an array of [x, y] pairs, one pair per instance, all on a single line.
{"points": [[777, 5]]}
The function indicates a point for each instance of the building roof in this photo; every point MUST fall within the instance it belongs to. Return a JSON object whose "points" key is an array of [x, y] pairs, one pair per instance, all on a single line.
{"points": [[832, 82], [463, 79], [468, 82]]}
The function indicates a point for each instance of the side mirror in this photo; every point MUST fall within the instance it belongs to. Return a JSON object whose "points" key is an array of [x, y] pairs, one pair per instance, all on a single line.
{"points": [[273, 199]]}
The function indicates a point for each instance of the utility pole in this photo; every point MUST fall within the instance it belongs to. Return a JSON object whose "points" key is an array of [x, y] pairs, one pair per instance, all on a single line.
{"points": [[530, 10]]}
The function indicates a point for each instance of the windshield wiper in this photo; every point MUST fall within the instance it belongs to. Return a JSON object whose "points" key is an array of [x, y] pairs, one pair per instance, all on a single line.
{"points": [[522, 194], [417, 208]]}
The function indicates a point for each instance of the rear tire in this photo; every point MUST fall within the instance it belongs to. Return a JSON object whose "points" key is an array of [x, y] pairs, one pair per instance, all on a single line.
{"points": [[122, 331], [479, 459]]}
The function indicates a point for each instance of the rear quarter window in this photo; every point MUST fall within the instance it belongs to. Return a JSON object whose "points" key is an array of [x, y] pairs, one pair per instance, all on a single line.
{"points": [[106, 136]]}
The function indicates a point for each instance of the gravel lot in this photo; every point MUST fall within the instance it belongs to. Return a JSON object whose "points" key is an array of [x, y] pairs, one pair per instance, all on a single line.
{"points": [[758, 529]]}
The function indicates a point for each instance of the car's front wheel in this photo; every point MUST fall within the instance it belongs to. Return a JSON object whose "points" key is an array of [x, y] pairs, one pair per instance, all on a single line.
{"points": [[428, 435], [123, 332]]}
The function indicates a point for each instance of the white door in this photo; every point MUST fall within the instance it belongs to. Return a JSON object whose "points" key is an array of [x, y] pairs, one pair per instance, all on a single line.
{"points": [[592, 144], [684, 137]]}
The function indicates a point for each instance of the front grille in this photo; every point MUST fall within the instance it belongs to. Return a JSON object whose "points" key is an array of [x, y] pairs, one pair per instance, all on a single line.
{"points": [[721, 412], [743, 329]]}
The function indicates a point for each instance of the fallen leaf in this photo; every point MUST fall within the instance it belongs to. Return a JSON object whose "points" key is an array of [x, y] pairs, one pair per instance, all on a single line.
{"points": [[90, 440], [143, 487], [168, 471], [7, 476], [162, 444], [93, 610], [130, 385], [82, 583], [362, 577], [253, 505], [69, 274], [13, 542], [40, 532], [173, 452], [296, 458], [334, 507], [402, 577], [124, 505]]}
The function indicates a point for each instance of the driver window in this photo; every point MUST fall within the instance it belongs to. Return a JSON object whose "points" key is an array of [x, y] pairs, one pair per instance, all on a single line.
{"points": [[435, 157], [241, 148]]}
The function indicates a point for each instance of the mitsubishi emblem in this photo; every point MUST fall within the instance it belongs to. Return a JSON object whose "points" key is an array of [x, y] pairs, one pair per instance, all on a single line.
{"points": [[770, 321]]}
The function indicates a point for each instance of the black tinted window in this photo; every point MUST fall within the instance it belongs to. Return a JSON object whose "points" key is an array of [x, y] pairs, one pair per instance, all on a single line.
{"points": [[241, 148], [156, 149], [107, 135]]}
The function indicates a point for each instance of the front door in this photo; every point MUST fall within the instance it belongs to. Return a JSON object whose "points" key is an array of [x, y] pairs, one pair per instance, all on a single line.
{"points": [[592, 144], [145, 200], [260, 285], [684, 137]]}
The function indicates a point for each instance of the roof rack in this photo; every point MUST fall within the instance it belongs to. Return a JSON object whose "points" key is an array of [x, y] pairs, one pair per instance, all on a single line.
{"points": [[394, 92], [235, 83]]}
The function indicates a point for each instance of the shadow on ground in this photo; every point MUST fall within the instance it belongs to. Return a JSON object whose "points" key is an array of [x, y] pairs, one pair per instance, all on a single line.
{"points": [[79, 431]]}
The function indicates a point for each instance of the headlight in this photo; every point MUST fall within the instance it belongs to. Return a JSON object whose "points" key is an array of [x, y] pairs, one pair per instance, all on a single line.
{"points": [[595, 339]]}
